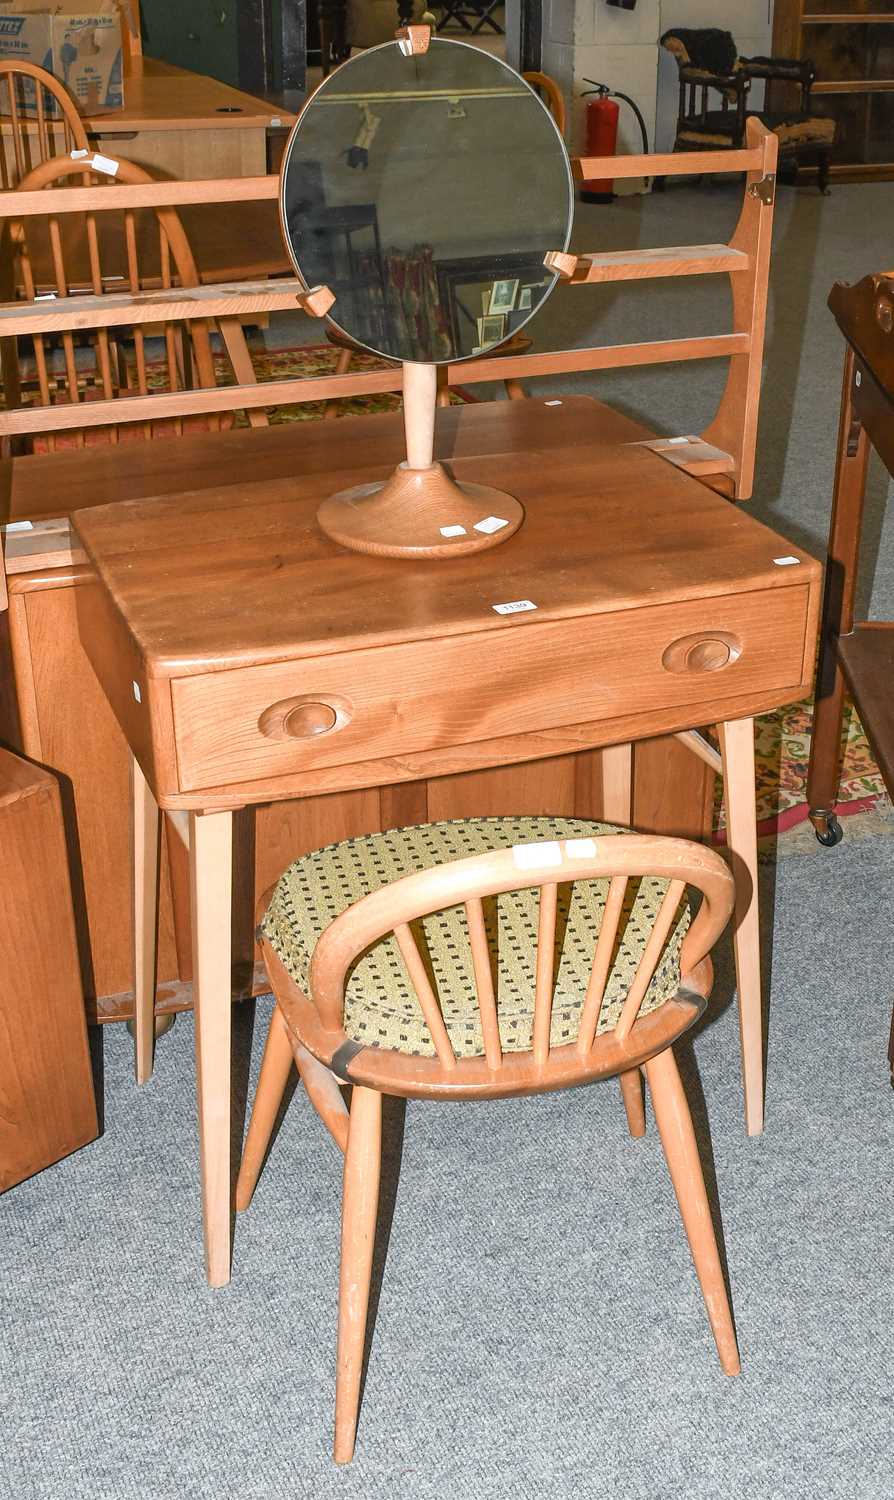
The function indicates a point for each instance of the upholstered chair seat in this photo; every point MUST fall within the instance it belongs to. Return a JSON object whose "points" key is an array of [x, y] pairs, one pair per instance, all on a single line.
{"points": [[381, 1007]]}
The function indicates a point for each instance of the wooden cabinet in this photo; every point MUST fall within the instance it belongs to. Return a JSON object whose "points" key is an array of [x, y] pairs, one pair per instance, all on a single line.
{"points": [[47, 1106], [852, 44]]}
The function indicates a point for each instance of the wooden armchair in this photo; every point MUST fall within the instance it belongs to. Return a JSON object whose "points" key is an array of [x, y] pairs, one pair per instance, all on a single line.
{"points": [[485, 959], [708, 60]]}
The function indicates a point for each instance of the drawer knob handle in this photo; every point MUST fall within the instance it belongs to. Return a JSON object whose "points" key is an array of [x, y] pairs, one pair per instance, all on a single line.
{"points": [[304, 718], [308, 719], [701, 653]]}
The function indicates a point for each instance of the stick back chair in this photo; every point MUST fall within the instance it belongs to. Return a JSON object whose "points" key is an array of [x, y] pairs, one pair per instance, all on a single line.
{"points": [[109, 372], [39, 119], [523, 967]]}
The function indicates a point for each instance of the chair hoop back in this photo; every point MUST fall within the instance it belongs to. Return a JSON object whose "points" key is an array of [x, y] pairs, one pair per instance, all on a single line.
{"points": [[618, 858], [43, 120]]}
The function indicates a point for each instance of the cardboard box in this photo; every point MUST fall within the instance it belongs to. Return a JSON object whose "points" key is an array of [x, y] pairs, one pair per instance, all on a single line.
{"points": [[80, 46]]}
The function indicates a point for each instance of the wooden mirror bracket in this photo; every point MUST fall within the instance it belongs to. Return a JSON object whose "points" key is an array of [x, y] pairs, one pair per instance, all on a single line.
{"points": [[316, 301], [413, 39], [421, 511]]}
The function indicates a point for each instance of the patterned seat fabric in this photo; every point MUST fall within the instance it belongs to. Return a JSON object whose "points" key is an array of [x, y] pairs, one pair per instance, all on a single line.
{"points": [[381, 1008], [718, 128]]}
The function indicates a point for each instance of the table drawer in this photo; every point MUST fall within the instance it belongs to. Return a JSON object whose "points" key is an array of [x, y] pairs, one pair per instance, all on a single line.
{"points": [[279, 719]]}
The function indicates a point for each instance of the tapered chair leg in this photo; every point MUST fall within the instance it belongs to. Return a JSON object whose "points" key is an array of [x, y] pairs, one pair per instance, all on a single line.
{"points": [[632, 1094], [358, 1230], [678, 1139], [276, 1066]]}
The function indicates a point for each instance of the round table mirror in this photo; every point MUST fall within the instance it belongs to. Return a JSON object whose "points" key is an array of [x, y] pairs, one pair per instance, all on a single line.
{"points": [[424, 189]]}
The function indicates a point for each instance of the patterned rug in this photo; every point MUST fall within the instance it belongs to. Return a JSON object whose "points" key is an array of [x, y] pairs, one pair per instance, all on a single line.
{"points": [[782, 751]]}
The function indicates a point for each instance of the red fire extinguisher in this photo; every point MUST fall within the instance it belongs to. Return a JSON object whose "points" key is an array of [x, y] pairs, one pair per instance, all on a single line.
{"points": [[602, 114]]}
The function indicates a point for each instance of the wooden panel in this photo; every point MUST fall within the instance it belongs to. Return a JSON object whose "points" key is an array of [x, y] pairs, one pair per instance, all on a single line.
{"points": [[673, 792], [563, 672], [673, 260], [47, 1107], [127, 309], [188, 154], [536, 787], [867, 656], [80, 739], [286, 830]]}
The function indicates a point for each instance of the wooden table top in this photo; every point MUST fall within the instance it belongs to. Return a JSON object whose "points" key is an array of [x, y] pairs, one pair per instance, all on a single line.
{"points": [[233, 570], [160, 96], [57, 484]]}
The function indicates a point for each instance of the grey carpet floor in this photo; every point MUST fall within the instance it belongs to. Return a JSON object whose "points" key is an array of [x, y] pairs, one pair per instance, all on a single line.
{"points": [[539, 1330]]}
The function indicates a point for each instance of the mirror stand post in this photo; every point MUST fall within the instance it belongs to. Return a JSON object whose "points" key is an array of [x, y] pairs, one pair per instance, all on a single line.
{"points": [[420, 403], [421, 511]]}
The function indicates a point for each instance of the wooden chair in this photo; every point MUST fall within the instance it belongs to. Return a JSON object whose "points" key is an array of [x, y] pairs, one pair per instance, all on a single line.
{"points": [[110, 373], [708, 59], [39, 120], [131, 35], [486, 959]]}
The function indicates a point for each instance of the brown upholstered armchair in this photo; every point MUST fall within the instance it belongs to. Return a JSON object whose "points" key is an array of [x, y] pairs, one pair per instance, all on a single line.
{"points": [[708, 59]]}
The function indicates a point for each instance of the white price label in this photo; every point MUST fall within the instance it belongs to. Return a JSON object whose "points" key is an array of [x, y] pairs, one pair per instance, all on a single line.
{"points": [[529, 856], [516, 607]]}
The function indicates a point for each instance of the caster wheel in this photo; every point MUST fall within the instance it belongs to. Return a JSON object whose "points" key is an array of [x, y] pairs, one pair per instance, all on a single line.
{"points": [[163, 1024], [830, 832]]}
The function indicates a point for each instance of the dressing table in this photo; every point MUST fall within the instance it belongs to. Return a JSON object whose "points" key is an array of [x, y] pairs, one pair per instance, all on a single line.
{"points": [[248, 659], [513, 591]]}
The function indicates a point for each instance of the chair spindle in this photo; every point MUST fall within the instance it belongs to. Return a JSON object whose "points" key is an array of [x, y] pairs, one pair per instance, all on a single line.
{"points": [[649, 961], [602, 961], [484, 983], [543, 991], [428, 1000]]}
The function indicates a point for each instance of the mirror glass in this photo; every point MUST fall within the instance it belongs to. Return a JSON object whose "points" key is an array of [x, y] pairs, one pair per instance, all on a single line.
{"points": [[424, 191]]}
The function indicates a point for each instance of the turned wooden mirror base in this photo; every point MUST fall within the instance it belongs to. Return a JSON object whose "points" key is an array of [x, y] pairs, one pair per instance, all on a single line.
{"points": [[420, 511]]}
